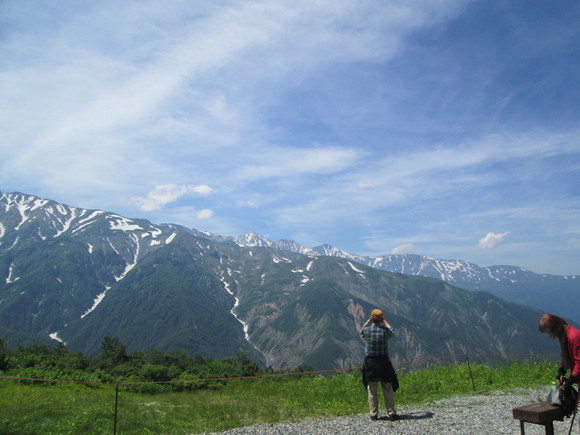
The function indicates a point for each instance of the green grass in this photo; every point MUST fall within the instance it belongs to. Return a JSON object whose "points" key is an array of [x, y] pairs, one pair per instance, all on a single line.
{"points": [[63, 408]]}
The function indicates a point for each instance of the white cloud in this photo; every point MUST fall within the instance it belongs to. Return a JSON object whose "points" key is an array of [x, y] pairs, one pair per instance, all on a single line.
{"points": [[403, 249], [249, 203], [284, 162], [205, 214], [202, 189], [168, 193], [491, 240]]}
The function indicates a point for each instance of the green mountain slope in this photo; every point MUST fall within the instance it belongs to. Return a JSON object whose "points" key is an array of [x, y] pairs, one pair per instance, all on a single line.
{"points": [[79, 275]]}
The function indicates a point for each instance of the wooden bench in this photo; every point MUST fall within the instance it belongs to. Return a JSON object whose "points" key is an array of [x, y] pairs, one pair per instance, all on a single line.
{"points": [[539, 413]]}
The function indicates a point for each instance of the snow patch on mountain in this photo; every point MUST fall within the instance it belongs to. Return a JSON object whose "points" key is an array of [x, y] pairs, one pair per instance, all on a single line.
{"points": [[96, 302], [22, 208], [170, 238], [154, 233], [54, 336], [292, 246], [65, 223], [10, 279], [38, 203], [133, 263], [61, 209], [112, 246], [355, 269], [86, 221], [253, 239], [13, 243], [117, 222], [233, 310], [245, 326]]}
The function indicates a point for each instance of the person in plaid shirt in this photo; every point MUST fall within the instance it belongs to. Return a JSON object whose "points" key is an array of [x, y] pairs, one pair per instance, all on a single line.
{"points": [[377, 365]]}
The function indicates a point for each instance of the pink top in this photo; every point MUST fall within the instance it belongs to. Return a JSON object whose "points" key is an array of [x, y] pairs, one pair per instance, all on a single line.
{"points": [[573, 336]]}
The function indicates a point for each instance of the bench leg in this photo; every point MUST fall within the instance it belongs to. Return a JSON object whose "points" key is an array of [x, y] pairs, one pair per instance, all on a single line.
{"points": [[549, 427]]}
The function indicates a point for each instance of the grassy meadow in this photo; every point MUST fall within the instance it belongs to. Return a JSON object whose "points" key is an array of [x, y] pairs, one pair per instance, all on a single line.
{"points": [[67, 408]]}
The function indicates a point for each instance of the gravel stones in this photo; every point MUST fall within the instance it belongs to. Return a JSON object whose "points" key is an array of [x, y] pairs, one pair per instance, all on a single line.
{"points": [[485, 413]]}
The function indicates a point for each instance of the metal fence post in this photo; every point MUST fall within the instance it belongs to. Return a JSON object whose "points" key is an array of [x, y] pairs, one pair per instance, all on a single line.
{"points": [[470, 372], [116, 408]]}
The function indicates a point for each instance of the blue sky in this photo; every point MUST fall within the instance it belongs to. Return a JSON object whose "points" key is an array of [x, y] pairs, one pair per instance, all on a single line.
{"points": [[441, 128]]}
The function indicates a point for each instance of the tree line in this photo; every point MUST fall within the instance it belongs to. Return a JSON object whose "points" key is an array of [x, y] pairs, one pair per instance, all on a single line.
{"points": [[173, 370]]}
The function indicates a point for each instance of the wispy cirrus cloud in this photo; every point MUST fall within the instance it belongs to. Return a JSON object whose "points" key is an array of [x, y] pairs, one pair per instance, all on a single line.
{"points": [[376, 124], [104, 93], [295, 162]]}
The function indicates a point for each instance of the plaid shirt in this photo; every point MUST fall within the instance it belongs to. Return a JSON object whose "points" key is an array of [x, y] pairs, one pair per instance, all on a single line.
{"points": [[376, 339]]}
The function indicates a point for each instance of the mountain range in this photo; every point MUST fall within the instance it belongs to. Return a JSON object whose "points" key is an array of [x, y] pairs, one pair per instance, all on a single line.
{"points": [[550, 293], [74, 275]]}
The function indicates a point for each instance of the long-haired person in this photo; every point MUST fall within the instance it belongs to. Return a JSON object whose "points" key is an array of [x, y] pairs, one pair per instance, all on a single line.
{"points": [[569, 338]]}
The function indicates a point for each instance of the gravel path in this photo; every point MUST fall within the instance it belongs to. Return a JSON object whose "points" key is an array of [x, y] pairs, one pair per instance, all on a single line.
{"points": [[485, 413]]}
